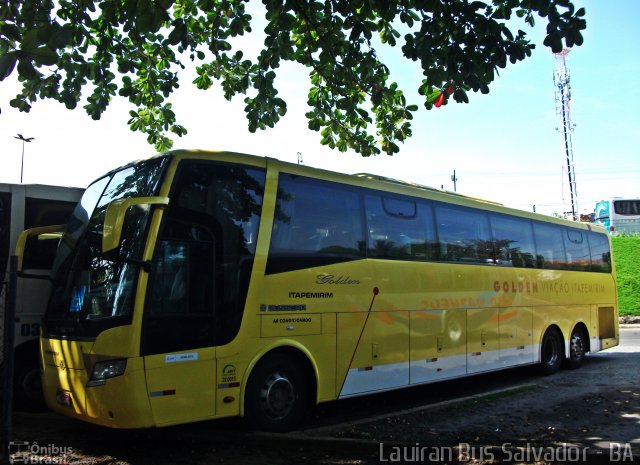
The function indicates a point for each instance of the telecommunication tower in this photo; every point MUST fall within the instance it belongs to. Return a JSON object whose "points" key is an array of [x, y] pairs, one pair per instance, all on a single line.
{"points": [[562, 81]]}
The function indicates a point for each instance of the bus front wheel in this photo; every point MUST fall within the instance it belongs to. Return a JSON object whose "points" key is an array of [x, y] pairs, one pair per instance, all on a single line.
{"points": [[27, 387], [551, 352], [276, 397]]}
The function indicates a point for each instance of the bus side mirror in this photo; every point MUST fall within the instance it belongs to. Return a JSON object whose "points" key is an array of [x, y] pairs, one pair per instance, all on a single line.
{"points": [[114, 218], [43, 233]]}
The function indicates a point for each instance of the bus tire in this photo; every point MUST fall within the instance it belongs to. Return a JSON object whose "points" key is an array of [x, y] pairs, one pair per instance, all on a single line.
{"points": [[277, 396], [577, 349], [551, 352], [27, 385]]}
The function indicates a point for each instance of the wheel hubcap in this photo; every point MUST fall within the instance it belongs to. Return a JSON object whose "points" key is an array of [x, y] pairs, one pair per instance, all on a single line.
{"points": [[577, 346], [277, 396]]}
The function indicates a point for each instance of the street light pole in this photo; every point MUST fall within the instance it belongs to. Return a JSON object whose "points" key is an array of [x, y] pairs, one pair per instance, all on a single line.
{"points": [[23, 139]]}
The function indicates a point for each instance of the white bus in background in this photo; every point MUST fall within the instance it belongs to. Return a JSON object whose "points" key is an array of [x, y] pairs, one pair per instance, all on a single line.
{"points": [[618, 215], [24, 206]]}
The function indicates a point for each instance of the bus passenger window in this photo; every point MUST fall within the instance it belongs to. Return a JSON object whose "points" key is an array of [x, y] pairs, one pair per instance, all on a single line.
{"points": [[549, 246], [316, 223], [600, 252], [577, 248], [513, 241], [399, 229], [626, 207], [464, 235]]}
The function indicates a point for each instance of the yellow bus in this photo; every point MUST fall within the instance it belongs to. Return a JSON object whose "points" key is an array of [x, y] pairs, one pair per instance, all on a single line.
{"points": [[200, 285]]}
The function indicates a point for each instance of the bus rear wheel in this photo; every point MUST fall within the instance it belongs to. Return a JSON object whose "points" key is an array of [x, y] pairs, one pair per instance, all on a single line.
{"points": [[577, 349], [551, 352], [276, 397]]}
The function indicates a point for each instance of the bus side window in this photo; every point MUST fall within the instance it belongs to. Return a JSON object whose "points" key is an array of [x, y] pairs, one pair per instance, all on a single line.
{"points": [[600, 252], [399, 229], [577, 248], [464, 235], [513, 241], [626, 207], [316, 223], [549, 246]]}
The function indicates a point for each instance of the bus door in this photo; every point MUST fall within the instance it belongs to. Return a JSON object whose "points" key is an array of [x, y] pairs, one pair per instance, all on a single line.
{"points": [[198, 285], [178, 331], [178, 336]]}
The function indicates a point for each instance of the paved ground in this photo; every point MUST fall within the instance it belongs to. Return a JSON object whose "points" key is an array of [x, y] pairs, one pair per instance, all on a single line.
{"points": [[591, 414]]}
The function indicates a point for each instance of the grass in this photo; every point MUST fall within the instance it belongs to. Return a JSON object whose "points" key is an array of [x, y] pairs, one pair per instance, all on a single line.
{"points": [[626, 253]]}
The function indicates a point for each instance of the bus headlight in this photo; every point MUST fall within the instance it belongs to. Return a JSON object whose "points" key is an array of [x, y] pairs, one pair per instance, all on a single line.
{"points": [[105, 370]]}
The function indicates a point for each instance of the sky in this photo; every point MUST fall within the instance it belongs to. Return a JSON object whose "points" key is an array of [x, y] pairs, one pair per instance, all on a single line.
{"points": [[503, 146]]}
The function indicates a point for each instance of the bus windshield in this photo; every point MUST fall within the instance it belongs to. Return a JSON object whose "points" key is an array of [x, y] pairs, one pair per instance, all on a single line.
{"points": [[92, 292]]}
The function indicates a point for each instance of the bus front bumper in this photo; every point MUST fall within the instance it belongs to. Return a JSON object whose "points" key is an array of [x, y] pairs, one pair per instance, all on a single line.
{"points": [[121, 402]]}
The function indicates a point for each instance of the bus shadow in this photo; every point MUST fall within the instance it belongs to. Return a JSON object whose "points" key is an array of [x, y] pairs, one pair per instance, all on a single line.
{"points": [[170, 444]]}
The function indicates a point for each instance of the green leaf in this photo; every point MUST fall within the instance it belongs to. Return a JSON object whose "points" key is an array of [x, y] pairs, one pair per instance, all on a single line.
{"points": [[10, 31], [26, 69], [554, 42], [144, 16], [44, 56], [45, 31], [20, 105], [62, 37], [164, 4], [433, 95], [178, 34], [7, 64], [577, 38], [30, 40]]}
